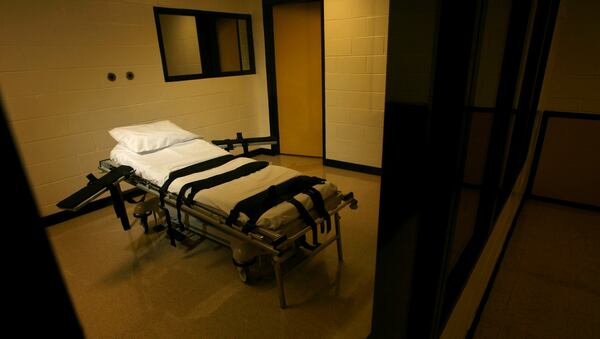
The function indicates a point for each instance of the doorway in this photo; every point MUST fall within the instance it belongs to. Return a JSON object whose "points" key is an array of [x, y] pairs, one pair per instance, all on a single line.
{"points": [[296, 63]]}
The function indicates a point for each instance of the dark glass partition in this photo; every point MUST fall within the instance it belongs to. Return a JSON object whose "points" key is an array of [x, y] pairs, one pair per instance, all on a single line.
{"points": [[453, 144]]}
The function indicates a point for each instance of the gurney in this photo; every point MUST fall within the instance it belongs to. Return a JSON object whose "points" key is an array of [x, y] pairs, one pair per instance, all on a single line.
{"points": [[256, 209]]}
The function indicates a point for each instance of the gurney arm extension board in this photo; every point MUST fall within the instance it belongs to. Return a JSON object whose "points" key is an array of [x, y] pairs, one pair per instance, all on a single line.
{"points": [[230, 144], [349, 198], [95, 187]]}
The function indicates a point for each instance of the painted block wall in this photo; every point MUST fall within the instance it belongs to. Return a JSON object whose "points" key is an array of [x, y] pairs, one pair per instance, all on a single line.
{"points": [[572, 79], [54, 59], [355, 66]]}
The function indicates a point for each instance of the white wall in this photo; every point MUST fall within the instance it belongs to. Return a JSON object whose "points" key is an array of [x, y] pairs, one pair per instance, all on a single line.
{"points": [[54, 58], [355, 66]]}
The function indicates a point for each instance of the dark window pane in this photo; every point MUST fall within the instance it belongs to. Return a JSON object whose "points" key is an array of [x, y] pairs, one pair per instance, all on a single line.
{"points": [[492, 51], [243, 38], [198, 44], [180, 41], [227, 40]]}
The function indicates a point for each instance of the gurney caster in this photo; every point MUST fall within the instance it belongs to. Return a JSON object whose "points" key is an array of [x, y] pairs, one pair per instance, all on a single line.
{"points": [[243, 273]]}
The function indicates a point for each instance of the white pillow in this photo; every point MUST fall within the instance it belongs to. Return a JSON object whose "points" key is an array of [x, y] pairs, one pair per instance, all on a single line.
{"points": [[151, 137]]}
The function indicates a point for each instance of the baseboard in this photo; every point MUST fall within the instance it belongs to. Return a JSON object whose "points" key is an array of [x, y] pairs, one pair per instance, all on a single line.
{"points": [[566, 203], [352, 167], [62, 216]]}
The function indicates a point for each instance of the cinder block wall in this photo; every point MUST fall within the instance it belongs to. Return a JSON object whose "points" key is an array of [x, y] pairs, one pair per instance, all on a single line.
{"points": [[572, 80], [54, 59], [355, 65]]}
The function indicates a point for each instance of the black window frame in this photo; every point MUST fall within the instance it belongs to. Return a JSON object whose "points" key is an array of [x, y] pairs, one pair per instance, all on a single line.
{"points": [[207, 43]]}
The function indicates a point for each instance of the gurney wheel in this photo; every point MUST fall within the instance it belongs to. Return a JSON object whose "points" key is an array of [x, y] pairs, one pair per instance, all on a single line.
{"points": [[243, 273]]}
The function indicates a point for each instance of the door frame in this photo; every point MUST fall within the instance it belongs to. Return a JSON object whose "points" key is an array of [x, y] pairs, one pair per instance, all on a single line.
{"points": [[271, 72]]}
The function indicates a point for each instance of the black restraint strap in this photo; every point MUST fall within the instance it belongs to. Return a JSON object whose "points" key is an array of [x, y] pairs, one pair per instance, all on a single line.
{"points": [[119, 206], [199, 167], [241, 171], [195, 168], [254, 206], [319, 205], [216, 180], [306, 217]]}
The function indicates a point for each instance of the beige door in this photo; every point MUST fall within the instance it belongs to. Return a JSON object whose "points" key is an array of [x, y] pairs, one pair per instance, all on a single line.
{"points": [[297, 34]]}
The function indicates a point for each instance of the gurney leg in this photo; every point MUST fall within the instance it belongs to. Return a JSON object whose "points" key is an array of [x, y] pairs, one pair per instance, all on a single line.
{"points": [[338, 237], [279, 279]]}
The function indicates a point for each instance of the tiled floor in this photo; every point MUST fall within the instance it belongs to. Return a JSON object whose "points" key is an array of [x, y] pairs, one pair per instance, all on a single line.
{"points": [[548, 285], [127, 284]]}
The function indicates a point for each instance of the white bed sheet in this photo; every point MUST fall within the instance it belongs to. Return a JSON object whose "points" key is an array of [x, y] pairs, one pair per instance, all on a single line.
{"points": [[156, 166]]}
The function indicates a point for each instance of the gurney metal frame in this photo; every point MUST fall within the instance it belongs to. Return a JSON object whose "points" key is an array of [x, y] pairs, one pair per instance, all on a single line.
{"points": [[280, 247]]}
